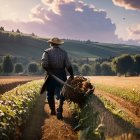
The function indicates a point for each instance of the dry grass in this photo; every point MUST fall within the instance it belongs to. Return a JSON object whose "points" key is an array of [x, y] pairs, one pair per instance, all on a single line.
{"points": [[123, 82], [54, 129]]}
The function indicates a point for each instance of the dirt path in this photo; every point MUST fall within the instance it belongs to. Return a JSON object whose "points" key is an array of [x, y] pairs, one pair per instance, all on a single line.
{"points": [[43, 126], [54, 129], [132, 110], [32, 130]]}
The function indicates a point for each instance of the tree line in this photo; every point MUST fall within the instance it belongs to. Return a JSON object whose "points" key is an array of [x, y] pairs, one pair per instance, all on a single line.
{"points": [[125, 64], [128, 65], [9, 67]]}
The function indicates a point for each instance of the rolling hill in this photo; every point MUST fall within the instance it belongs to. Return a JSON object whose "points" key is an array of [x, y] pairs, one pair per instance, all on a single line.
{"points": [[32, 47]]}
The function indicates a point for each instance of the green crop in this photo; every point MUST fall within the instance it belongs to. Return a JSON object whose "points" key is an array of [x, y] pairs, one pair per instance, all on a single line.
{"points": [[16, 106]]}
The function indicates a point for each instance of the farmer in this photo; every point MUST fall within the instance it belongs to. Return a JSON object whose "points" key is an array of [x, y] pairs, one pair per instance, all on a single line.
{"points": [[55, 61]]}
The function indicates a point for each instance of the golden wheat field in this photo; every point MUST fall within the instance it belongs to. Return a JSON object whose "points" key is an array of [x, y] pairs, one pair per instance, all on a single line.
{"points": [[123, 82]]}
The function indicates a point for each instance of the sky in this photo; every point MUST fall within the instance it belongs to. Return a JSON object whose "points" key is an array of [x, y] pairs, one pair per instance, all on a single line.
{"points": [[108, 21]]}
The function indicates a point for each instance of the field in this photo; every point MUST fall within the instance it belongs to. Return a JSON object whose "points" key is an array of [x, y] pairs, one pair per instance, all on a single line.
{"points": [[123, 82], [116, 99], [9, 82], [36, 46], [122, 93]]}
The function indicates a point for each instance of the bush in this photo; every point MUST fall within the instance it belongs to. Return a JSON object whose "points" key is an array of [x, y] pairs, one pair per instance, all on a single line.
{"points": [[97, 69], [75, 68], [86, 69], [33, 68], [18, 68], [106, 69]]}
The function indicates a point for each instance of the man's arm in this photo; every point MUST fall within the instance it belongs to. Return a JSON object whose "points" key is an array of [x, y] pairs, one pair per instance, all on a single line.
{"points": [[45, 63], [69, 67], [70, 70]]}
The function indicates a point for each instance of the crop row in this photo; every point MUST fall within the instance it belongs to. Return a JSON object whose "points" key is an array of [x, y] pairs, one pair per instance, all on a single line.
{"points": [[89, 124], [15, 108], [115, 110], [131, 95]]}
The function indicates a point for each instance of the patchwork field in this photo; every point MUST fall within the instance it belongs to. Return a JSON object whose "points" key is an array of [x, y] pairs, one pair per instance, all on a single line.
{"points": [[116, 99]]}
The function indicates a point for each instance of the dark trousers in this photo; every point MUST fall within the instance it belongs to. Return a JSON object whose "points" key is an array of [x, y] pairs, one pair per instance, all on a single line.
{"points": [[54, 89]]}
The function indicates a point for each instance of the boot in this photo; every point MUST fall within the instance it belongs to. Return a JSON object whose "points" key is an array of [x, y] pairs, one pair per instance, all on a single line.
{"points": [[52, 106], [60, 109], [59, 114]]}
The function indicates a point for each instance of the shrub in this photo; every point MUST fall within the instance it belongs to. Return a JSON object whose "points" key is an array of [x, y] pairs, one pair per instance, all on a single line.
{"points": [[18, 68]]}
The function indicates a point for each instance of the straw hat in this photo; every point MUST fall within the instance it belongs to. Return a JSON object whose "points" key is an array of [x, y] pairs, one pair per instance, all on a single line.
{"points": [[56, 40]]}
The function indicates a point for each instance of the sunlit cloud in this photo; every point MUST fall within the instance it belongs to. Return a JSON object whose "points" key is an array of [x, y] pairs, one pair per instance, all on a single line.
{"points": [[134, 32], [128, 4], [68, 19], [54, 5], [38, 13]]}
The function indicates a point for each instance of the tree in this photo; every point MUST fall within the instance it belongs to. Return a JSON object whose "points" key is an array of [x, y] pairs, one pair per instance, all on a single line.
{"points": [[75, 68], [1, 68], [1, 28], [32, 68], [97, 69], [123, 64], [137, 63], [86, 69], [18, 68], [106, 69], [18, 31], [33, 34], [7, 64]]}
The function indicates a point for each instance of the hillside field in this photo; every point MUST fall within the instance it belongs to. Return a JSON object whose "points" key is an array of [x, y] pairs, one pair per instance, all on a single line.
{"points": [[32, 47]]}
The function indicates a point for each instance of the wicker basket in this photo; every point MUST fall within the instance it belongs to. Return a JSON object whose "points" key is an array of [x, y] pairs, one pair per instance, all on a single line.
{"points": [[75, 94]]}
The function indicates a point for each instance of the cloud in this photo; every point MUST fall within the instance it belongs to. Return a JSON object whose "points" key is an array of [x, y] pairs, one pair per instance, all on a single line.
{"points": [[67, 19], [39, 13], [134, 32], [54, 5], [128, 4], [76, 20]]}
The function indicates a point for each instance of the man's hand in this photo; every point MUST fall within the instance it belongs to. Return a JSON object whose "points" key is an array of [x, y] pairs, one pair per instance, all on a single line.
{"points": [[71, 77]]}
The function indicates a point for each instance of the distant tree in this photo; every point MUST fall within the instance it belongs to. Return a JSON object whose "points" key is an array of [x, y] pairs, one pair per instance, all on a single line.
{"points": [[106, 69], [75, 68], [97, 69], [33, 68], [33, 34], [1, 68], [137, 63], [12, 30], [18, 31], [18, 68], [86, 69], [7, 64], [87, 60], [1, 28], [123, 64], [88, 42]]}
